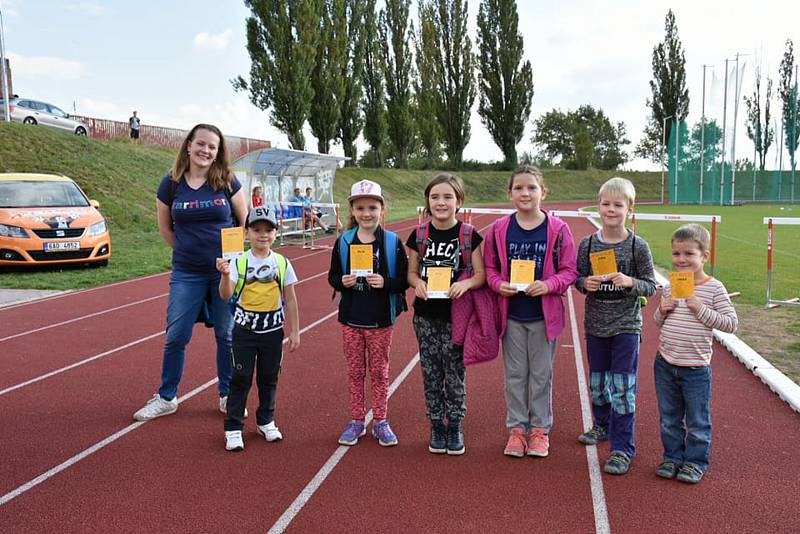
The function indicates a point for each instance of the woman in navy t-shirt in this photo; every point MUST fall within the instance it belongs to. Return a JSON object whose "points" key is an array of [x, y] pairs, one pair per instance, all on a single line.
{"points": [[195, 201]]}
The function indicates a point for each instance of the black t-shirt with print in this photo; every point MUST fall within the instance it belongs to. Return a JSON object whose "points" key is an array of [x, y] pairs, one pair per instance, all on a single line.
{"points": [[366, 303], [441, 250]]}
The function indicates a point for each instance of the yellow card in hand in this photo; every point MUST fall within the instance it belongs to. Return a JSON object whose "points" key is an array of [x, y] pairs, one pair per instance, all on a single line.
{"points": [[682, 284], [232, 242], [439, 282], [523, 273], [603, 262], [361, 260]]}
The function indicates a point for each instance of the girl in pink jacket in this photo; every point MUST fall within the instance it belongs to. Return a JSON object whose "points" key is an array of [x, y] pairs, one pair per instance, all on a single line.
{"points": [[532, 314]]}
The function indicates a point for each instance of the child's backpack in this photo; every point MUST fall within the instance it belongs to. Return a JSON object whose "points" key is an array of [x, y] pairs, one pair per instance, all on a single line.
{"points": [[390, 240], [241, 268]]}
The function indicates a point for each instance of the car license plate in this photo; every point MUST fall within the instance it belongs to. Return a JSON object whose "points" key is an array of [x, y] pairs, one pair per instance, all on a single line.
{"points": [[62, 245]]}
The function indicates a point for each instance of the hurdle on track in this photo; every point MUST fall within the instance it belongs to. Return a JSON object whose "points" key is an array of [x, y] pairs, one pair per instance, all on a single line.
{"points": [[466, 215], [771, 222]]}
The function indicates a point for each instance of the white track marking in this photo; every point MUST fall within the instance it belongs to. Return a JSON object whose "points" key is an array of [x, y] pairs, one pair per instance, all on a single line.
{"points": [[300, 501], [601, 524]]}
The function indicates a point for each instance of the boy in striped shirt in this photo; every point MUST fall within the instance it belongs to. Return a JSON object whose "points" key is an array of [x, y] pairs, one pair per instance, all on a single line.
{"points": [[683, 361]]}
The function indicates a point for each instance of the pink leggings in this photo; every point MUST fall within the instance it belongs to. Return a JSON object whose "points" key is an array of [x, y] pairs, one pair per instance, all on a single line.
{"points": [[367, 347]]}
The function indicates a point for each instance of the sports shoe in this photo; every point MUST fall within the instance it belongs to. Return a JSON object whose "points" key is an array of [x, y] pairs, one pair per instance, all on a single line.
{"points": [[516, 445], [455, 439], [383, 432], [690, 473], [270, 431], [156, 407], [667, 469], [438, 444], [223, 406], [233, 440], [538, 443], [618, 463], [351, 433], [594, 435]]}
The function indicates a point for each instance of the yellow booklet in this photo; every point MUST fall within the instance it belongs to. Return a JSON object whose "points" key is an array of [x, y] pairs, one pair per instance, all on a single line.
{"points": [[439, 282], [682, 284], [603, 262], [232, 242], [523, 273], [361, 260]]}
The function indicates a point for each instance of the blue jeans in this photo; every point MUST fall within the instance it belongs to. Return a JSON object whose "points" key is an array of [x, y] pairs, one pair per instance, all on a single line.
{"points": [[187, 293], [684, 407]]}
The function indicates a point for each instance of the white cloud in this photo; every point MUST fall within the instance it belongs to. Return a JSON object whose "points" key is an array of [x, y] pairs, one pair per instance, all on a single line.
{"points": [[52, 68], [86, 8], [212, 41], [8, 8]]}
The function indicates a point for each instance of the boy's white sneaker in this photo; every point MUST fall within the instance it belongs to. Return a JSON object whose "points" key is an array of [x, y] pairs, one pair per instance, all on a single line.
{"points": [[223, 406], [156, 407], [233, 440], [270, 432]]}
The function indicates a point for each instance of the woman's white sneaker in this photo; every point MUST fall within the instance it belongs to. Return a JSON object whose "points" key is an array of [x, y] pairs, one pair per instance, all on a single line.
{"points": [[156, 407], [233, 440], [270, 432]]}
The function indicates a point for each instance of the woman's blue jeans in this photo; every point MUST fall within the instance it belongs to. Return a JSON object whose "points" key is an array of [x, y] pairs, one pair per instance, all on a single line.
{"points": [[188, 291]]}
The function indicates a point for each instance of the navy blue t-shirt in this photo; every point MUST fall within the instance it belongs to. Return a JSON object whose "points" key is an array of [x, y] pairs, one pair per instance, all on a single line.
{"points": [[526, 245], [198, 215]]}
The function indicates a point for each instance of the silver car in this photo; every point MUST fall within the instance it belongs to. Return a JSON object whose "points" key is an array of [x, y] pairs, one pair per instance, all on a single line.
{"points": [[27, 111]]}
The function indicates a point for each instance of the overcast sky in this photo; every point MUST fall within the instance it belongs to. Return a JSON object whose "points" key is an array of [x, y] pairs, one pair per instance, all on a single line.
{"points": [[173, 60]]}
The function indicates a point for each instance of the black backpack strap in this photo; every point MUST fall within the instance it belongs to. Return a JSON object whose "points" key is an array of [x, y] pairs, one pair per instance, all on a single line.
{"points": [[557, 248]]}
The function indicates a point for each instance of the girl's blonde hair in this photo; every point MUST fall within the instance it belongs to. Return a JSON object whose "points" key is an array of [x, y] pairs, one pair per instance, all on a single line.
{"points": [[220, 175], [351, 221], [445, 178], [534, 171], [621, 187], [693, 232]]}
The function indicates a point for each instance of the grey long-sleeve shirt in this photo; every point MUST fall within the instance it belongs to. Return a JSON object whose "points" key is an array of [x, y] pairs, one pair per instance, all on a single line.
{"points": [[611, 311]]}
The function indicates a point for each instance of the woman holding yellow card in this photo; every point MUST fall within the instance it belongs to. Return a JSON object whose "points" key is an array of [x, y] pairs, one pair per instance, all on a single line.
{"points": [[530, 262], [195, 201]]}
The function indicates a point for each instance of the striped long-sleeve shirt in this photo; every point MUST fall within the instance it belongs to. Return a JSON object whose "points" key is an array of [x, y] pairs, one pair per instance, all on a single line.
{"points": [[685, 337]]}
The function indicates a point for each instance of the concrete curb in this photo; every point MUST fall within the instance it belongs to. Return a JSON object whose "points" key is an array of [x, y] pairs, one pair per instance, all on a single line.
{"points": [[14, 297], [779, 383]]}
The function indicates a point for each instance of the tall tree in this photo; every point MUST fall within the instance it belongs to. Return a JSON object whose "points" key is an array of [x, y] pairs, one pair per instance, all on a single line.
{"points": [[374, 102], [670, 97], [761, 133], [455, 64], [708, 144], [351, 119], [787, 90], [506, 84], [328, 79], [395, 33], [282, 38], [426, 96], [584, 149]]}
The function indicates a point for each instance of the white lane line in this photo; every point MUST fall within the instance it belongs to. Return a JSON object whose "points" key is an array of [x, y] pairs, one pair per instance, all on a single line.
{"points": [[601, 524], [305, 495], [114, 437], [82, 317]]}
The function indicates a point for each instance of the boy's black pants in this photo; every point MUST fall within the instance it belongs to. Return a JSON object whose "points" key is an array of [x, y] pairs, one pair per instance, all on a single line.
{"points": [[254, 352]]}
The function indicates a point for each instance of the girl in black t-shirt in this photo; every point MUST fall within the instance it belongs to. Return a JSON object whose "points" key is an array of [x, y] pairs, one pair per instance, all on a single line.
{"points": [[442, 363]]}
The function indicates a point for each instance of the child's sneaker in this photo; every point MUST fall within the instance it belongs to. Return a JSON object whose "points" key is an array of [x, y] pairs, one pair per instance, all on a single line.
{"points": [[270, 431], [667, 469], [233, 440], [223, 406], [690, 473], [538, 443], [594, 435], [516, 445], [455, 439], [438, 444], [156, 407], [351, 433], [383, 432], [618, 463]]}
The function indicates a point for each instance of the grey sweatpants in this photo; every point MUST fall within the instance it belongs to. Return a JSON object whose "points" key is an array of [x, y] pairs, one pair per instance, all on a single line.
{"points": [[528, 361]]}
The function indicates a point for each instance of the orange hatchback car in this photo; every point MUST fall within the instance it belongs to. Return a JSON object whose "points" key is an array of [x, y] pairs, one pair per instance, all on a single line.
{"points": [[47, 219]]}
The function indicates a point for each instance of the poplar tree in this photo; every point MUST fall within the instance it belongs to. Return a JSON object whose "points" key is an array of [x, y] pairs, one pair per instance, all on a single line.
{"points": [[327, 78], [426, 86], [761, 133], [787, 90], [506, 83], [374, 101], [282, 38], [351, 119], [396, 51]]}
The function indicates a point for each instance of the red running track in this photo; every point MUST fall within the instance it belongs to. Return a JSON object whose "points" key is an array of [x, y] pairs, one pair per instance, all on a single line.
{"points": [[74, 461]]}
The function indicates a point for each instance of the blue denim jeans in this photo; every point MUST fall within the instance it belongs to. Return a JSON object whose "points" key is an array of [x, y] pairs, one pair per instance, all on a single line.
{"points": [[684, 407], [187, 293]]}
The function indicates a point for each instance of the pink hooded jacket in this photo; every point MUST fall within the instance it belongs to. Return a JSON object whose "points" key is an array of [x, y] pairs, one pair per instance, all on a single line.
{"points": [[495, 253]]}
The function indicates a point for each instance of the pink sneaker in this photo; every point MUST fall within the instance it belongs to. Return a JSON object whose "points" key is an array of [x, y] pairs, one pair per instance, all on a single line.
{"points": [[538, 443], [516, 445]]}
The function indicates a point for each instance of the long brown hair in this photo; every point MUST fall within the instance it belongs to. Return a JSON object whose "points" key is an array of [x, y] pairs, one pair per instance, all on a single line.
{"points": [[445, 178], [220, 174]]}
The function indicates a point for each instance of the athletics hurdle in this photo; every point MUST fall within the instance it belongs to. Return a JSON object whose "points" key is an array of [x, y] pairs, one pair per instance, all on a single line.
{"points": [[771, 222]]}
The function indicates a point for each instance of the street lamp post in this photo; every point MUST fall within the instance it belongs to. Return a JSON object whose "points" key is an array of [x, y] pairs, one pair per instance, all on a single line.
{"points": [[663, 144]]}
